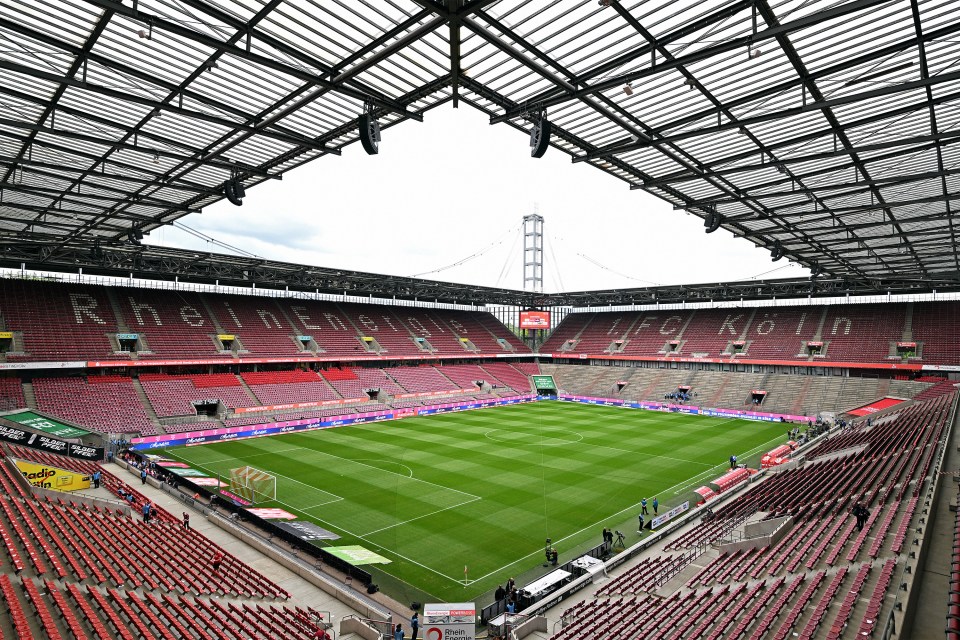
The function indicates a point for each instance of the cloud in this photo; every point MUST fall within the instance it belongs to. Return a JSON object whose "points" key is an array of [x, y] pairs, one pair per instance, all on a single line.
{"points": [[452, 186]]}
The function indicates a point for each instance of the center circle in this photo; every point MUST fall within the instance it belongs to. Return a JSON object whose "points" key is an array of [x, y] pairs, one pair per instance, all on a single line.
{"points": [[543, 438]]}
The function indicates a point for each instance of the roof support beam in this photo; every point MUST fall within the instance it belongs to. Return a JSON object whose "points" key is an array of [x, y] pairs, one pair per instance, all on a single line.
{"points": [[52, 101], [820, 105], [547, 100], [230, 48], [925, 73]]}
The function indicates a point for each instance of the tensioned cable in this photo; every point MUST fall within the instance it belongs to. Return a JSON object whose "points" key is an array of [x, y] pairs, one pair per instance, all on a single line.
{"points": [[472, 256], [556, 264], [622, 275], [786, 266], [203, 236], [506, 261]]}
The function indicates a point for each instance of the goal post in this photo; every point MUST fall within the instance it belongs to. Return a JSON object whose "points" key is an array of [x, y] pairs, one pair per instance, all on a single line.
{"points": [[253, 484]]}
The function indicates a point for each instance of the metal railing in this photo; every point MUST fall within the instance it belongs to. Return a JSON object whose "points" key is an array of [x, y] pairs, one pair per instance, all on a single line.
{"points": [[383, 627]]}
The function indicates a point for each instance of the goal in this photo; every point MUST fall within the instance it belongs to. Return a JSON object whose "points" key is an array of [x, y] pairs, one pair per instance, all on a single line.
{"points": [[253, 484]]}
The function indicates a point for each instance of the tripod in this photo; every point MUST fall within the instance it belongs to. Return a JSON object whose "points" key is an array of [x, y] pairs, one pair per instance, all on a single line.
{"points": [[619, 542]]}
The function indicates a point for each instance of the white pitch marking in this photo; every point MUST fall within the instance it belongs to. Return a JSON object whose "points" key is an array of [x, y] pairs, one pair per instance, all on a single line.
{"points": [[426, 515], [253, 455], [314, 506], [409, 470], [631, 507], [433, 484], [357, 535]]}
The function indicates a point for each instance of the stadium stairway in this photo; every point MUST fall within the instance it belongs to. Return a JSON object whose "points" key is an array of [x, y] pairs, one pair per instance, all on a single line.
{"points": [[302, 591], [246, 388], [934, 578], [822, 579], [29, 396], [145, 400]]}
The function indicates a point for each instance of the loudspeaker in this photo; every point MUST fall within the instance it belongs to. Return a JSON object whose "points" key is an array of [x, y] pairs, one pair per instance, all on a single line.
{"points": [[777, 251], [230, 190], [540, 138], [369, 134], [713, 221]]}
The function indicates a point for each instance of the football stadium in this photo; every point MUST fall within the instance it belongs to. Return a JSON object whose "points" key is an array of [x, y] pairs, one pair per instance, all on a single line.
{"points": [[225, 414]]}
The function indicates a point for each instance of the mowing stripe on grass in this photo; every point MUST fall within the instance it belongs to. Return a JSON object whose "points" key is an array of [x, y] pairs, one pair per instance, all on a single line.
{"points": [[434, 493]]}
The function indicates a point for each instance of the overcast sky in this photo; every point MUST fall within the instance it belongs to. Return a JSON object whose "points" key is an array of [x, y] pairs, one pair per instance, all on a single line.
{"points": [[452, 187]]}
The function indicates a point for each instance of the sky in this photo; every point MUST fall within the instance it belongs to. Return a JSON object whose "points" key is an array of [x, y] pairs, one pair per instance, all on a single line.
{"points": [[445, 199]]}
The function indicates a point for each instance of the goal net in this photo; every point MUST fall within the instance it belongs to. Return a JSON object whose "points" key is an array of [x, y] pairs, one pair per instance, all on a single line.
{"points": [[253, 484]]}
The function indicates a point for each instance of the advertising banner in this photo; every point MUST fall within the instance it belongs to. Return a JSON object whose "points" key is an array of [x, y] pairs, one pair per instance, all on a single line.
{"points": [[355, 554], [270, 514], [276, 428], [84, 452], [47, 425], [51, 477], [307, 530], [455, 621], [754, 415], [20, 366], [669, 515], [46, 443]]}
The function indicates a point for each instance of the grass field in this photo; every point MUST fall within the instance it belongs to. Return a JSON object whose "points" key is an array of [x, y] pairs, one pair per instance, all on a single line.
{"points": [[485, 488]]}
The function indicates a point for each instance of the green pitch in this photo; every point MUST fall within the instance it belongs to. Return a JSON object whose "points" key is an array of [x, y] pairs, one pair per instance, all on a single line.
{"points": [[485, 488]]}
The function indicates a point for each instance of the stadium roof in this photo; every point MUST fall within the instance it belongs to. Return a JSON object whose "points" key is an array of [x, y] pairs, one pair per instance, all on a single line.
{"points": [[164, 263], [820, 129]]}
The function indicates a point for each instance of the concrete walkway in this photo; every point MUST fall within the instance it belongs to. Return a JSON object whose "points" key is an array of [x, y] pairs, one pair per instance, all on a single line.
{"points": [[303, 592], [930, 619]]}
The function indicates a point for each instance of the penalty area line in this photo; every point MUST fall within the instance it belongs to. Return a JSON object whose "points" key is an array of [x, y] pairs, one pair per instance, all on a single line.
{"points": [[688, 481], [338, 527], [426, 515]]}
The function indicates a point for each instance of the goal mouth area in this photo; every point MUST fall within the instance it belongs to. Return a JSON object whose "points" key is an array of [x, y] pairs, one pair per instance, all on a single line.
{"points": [[253, 484]]}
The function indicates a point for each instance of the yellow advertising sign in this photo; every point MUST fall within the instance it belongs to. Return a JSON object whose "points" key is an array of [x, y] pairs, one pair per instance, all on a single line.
{"points": [[52, 478], [226, 336], [6, 334]]}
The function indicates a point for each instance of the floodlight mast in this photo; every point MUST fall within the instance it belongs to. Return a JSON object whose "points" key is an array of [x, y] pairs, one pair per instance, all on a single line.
{"points": [[533, 265], [533, 253]]}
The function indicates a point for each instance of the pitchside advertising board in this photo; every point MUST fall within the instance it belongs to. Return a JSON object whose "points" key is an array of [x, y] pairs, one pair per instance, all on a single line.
{"points": [[239, 433], [454, 621]]}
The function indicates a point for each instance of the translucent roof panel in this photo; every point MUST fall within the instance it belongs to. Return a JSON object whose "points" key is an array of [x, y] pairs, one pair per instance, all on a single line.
{"points": [[829, 127]]}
